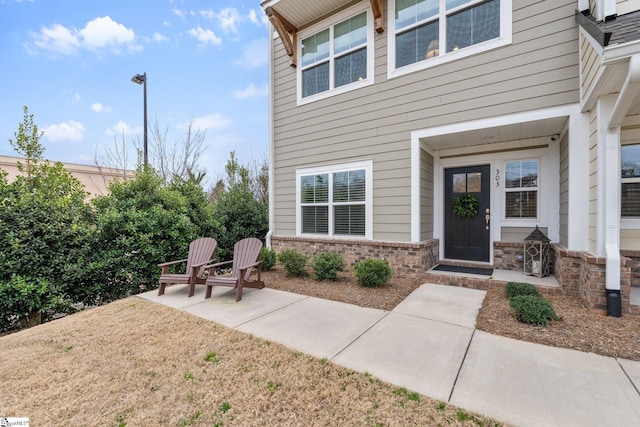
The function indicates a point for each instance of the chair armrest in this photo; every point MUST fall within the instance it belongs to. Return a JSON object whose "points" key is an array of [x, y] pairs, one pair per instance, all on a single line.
{"points": [[164, 264], [203, 264], [218, 264], [255, 264]]}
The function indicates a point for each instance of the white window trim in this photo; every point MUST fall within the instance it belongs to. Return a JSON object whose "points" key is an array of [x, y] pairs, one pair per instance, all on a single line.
{"points": [[504, 39], [342, 16], [629, 223], [367, 165], [514, 221]]}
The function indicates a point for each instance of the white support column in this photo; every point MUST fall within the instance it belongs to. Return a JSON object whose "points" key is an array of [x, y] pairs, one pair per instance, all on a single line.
{"points": [[578, 223], [608, 244], [605, 8], [415, 189], [272, 222]]}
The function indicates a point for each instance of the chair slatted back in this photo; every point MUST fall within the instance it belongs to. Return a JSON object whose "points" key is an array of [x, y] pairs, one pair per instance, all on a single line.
{"points": [[245, 252], [200, 252]]}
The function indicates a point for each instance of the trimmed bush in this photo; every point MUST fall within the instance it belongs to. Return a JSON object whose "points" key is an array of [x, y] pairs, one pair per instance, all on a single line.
{"points": [[27, 302], [294, 262], [532, 309], [268, 258], [326, 266], [519, 288], [372, 272]]}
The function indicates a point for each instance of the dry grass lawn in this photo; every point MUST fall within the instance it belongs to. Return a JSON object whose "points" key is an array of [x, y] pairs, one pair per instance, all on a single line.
{"points": [[136, 363]]}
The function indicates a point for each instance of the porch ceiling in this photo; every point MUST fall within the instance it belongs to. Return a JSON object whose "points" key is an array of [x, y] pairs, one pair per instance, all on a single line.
{"points": [[545, 128], [302, 12]]}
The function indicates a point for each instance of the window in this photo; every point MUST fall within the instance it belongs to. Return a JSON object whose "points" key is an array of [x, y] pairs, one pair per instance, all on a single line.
{"points": [[630, 194], [337, 58], [521, 189], [426, 32], [335, 201]]}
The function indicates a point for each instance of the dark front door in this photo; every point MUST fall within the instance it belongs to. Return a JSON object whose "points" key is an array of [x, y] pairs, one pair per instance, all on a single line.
{"points": [[466, 235]]}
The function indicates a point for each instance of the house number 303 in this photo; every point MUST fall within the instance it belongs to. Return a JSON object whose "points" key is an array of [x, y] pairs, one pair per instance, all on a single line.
{"points": [[497, 178]]}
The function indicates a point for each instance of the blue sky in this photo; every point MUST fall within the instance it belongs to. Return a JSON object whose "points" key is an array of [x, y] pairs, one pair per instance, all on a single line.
{"points": [[71, 63]]}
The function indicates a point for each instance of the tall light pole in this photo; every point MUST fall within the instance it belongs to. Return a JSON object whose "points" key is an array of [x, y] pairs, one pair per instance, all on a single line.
{"points": [[141, 79]]}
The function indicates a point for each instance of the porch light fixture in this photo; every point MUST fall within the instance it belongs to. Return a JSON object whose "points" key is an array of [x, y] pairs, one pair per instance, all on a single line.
{"points": [[141, 79], [536, 254]]}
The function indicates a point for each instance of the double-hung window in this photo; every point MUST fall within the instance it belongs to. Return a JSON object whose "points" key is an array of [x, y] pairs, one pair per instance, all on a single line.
{"points": [[521, 189], [335, 201], [337, 56], [428, 32], [630, 194]]}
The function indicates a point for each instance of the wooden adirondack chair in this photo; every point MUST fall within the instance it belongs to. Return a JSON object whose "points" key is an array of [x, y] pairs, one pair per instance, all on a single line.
{"points": [[246, 258], [201, 253]]}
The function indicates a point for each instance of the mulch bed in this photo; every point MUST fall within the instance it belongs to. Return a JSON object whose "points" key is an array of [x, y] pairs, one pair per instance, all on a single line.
{"points": [[579, 328]]}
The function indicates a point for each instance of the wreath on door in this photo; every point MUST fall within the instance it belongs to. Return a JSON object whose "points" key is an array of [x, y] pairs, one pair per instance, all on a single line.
{"points": [[466, 206]]}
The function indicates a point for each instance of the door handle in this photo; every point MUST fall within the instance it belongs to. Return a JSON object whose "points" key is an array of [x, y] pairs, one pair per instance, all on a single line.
{"points": [[487, 218]]}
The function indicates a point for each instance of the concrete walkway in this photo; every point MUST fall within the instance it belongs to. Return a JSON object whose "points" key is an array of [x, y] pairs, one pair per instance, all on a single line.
{"points": [[429, 344]]}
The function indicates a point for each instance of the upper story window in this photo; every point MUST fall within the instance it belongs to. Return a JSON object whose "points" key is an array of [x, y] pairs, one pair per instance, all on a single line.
{"points": [[429, 32], [337, 55], [521, 189], [630, 176]]}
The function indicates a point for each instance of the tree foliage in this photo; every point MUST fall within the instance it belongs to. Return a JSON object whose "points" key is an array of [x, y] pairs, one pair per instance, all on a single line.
{"points": [[240, 214], [44, 219], [141, 223]]}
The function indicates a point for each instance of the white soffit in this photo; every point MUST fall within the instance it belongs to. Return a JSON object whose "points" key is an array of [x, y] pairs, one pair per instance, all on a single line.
{"points": [[302, 12], [505, 133]]}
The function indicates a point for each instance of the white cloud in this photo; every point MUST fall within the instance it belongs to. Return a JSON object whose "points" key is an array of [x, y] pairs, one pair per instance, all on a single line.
{"points": [[103, 32], [229, 19], [66, 131], [157, 37], [253, 17], [123, 129], [166, 23], [97, 34], [57, 39], [178, 12], [76, 97], [254, 54], [205, 36], [99, 108], [251, 91], [208, 14], [210, 121]]}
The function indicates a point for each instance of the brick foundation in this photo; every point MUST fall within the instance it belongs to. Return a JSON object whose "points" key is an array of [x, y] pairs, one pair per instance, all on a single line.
{"points": [[579, 274], [408, 260], [584, 275]]}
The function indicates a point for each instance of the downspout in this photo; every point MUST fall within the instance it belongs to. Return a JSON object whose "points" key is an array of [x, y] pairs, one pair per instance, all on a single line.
{"points": [[271, 139]]}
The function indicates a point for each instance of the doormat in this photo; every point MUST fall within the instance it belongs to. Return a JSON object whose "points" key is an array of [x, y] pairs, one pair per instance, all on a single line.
{"points": [[466, 270]]}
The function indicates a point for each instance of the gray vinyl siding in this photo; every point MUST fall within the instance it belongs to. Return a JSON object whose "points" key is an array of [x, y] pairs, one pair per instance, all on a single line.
{"points": [[426, 196], [626, 6], [564, 191], [518, 234], [590, 62], [539, 70], [630, 240], [593, 181]]}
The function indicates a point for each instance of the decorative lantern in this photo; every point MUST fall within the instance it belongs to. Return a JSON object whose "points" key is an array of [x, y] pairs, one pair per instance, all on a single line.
{"points": [[536, 254]]}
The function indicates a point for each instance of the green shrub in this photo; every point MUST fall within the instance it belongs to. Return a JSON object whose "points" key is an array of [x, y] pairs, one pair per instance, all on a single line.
{"points": [[26, 302], [519, 288], [372, 272], [140, 223], [268, 258], [45, 221], [294, 262], [532, 309], [326, 266]]}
